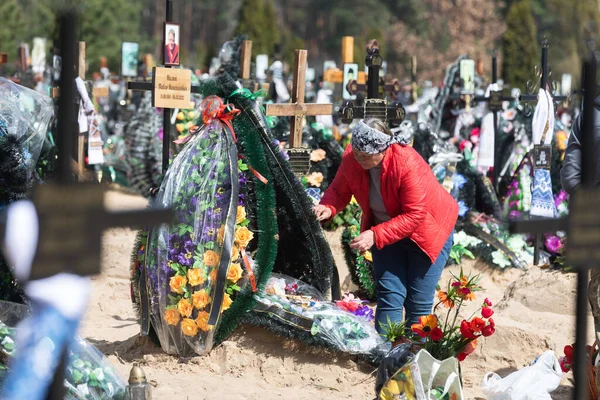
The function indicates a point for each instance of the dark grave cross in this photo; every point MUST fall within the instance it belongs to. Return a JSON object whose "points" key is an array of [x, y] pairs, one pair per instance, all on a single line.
{"points": [[583, 226], [375, 105], [542, 153], [297, 110], [71, 215]]}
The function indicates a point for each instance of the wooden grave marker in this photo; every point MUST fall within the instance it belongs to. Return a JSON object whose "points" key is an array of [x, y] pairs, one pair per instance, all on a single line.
{"points": [[297, 110]]}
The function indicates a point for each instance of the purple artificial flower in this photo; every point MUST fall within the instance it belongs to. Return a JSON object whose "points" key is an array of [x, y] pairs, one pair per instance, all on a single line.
{"points": [[209, 234], [514, 204], [365, 312], [553, 244], [560, 197], [194, 201], [514, 215], [185, 259], [517, 192], [514, 184], [242, 200], [189, 246], [220, 193], [243, 179]]}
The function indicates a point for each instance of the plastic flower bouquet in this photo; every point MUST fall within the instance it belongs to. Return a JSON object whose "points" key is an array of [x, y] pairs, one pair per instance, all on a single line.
{"points": [[441, 334]]}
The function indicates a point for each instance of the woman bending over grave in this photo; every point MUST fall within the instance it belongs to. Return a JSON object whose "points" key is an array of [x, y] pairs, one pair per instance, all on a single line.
{"points": [[408, 219]]}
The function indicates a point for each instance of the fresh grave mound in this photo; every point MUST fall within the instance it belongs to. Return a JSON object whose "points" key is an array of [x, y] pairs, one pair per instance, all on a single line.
{"points": [[241, 214]]}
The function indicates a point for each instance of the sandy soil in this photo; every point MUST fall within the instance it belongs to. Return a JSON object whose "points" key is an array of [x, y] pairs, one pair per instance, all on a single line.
{"points": [[534, 312]]}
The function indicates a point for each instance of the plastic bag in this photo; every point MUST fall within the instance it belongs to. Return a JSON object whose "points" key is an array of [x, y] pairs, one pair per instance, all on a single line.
{"points": [[424, 378], [25, 114], [391, 363], [194, 266], [302, 306], [545, 372], [89, 374]]}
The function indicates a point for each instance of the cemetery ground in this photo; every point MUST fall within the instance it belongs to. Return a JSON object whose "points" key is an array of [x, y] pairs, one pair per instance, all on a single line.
{"points": [[534, 312]]}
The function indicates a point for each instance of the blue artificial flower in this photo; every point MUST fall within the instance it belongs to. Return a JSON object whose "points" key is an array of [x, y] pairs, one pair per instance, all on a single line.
{"points": [[459, 180], [462, 208]]}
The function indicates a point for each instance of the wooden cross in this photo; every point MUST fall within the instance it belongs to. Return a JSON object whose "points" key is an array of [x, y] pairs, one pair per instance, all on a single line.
{"points": [[298, 109], [3, 58], [583, 226]]}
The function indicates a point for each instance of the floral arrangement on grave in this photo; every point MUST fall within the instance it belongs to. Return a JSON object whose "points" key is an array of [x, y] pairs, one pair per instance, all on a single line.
{"points": [[89, 374], [185, 122], [344, 325], [196, 266], [443, 336], [360, 264]]}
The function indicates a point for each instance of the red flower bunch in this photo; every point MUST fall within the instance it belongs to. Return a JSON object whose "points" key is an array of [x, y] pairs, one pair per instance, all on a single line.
{"points": [[444, 337]]}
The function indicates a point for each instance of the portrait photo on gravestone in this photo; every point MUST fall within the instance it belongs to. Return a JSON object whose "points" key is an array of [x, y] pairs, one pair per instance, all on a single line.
{"points": [[304, 199]]}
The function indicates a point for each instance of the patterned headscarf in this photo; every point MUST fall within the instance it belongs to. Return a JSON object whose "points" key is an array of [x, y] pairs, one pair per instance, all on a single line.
{"points": [[370, 140]]}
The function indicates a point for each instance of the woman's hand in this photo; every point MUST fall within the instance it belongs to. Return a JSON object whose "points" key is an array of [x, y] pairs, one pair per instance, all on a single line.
{"points": [[321, 212], [364, 241]]}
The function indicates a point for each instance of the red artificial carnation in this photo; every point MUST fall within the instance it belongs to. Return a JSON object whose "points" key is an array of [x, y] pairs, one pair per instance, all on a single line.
{"points": [[465, 330], [436, 334], [487, 312], [490, 329], [477, 324], [487, 302]]}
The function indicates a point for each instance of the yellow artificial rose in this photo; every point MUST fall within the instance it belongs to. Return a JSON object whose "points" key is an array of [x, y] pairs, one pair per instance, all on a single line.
{"points": [[221, 235], [318, 155], [180, 116], [177, 283], [241, 215], [195, 277], [189, 327], [189, 124], [200, 299], [202, 322], [234, 273], [172, 316], [243, 236], [185, 307], [211, 259], [192, 105], [213, 275], [368, 256], [235, 253], [226, 303], [191, 115], [180, 127]]}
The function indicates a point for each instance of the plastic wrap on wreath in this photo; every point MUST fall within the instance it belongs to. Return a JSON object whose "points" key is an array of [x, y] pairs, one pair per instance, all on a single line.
{"points": [[186, 260], [302, 306], [25, 114], [89, 374]]}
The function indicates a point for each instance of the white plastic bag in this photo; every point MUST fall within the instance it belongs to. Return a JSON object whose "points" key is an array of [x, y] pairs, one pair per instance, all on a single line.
{"points": [[535, 382]]}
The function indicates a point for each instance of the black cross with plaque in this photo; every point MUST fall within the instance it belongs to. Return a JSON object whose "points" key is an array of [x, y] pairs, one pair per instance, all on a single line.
{"points": [[375, 105], [582, 225], [72, 215]]}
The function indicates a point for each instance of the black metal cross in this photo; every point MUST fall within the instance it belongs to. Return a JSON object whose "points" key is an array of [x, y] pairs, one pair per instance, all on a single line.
{"points": [[374, 105], [583, 226], [72, 215]]}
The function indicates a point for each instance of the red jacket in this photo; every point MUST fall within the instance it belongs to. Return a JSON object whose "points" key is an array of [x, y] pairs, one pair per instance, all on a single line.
{"points": [[421, 209]]}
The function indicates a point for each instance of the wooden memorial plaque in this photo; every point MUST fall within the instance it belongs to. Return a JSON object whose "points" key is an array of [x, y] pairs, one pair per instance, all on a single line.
{"points": [[495, 100], [542, 157], [584, 229], [70, 232], [100, 91], [171, 87]]}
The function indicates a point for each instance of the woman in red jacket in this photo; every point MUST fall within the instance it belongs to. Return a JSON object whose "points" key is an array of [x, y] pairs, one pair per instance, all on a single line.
{"points": [[408, 219]]}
